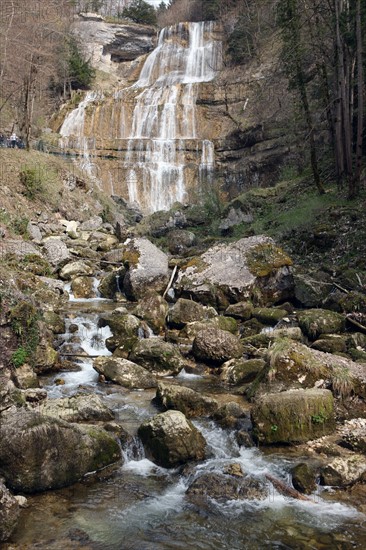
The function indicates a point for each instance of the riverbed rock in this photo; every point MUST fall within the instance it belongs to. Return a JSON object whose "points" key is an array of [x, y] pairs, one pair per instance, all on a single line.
{"points": [[223, 487], [125, 329], [26, 377], [56, 252], [221, 322], [185, 400], [75, 269], [269, 316], [147, 268], [111, 283], [187, 311], [344, 470], [216, 346], [252, 267], [38, 453], [124, 372], [180, 241], [314, 322], [83, 287], [9, 512], [303, 478], [171, 439], [153, 309], [54, 322], [354, 435], [78, 408], [241, 371], [161, 358], [228, 415], [293, 416], [240, 310]]}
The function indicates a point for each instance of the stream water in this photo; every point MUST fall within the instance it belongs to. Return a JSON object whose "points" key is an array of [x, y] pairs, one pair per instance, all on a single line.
{"points": [[144, 507]]}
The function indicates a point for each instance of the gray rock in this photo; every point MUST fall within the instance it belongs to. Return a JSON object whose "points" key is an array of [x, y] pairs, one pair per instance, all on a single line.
{"points": [[185, 400], [216, 346], [187, 311], [75, 269], [34, 232], [78, 408], [344, 470], [124, 372], [56, 252], [9, 512], [223, 487], [92, 224], [170, 439], [161, 358]]}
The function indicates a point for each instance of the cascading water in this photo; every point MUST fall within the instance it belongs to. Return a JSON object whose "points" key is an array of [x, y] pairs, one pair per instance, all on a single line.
{"points": [[165, 116], [152, 129]]}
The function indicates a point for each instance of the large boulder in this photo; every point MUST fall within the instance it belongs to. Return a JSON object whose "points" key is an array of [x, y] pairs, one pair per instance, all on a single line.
{"points": [[185, 400], [124, 372], [125, 328], [111, 284], [78, 408], [241, 371], [293, 416], [38, 453], [153, 309], [253, 267], [83, 287], [216, 346], [147, 268], [170, 439], [161, 358], [187, 311], [56, 252], [314, 322], [75, 269], [9, 512]]}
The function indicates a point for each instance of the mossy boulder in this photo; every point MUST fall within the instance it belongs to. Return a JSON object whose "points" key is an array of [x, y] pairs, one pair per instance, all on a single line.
{"points": [[38, 453], [153, 309], [111, 283], [240, 310], [83, 287], [187, 311], [170, 439], [353, 302], [269, 316], [191, 330], [331, 343], [124, 372], [125, 328], [54, 322], [185, 400], [215, 346], [180, 241], [241, 371], [314, 322], [159, 357], [293, 416]]}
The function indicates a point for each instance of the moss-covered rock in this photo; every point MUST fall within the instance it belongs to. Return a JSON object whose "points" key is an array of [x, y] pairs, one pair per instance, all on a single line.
{"points": [[111, 283], [83, 287], [125, 328], [215, 346], [331, 343], [240, 310], [269, 316], [187, 311], [54, 322], [185, 400], [293, 416], [314, 322], [153, 309], [161, 358], [241, 371]]}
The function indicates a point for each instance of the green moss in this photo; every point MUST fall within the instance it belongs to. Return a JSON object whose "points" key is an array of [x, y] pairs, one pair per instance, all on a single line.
{"points": [[24, 321], [264, 258], [19, 357], [131, 258]]}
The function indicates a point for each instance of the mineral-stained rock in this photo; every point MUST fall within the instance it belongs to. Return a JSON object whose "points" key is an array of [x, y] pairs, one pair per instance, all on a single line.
{"points": [[216, 346], [124, 372], [186, 400], [170, 439], [293, 416], [39, 452]]}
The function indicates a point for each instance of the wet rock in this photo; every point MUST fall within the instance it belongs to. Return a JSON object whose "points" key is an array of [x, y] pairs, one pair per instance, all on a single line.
{"points": [[331, 343], [124, 372], [147, 269], [344, 470], [78, 408], [293, 416], [251, 267], [171, 439], [125, 328], [111, 284], [216, 346], [38, 453], [241, 371], [354, 435], [223, 487], [187, 311], [161, 358], [303, 478], [75, 269], [83, 287], [9, 512], [314, 322], [153, 309], [185, 400], [228, 414]]}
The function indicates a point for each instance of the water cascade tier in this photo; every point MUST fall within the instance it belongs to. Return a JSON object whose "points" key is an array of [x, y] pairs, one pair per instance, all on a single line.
{"points": [[150, 142]]}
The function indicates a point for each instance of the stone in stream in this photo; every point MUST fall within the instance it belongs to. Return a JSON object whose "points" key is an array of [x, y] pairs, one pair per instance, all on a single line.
{"points": [[216, 346], [170, 439], [9, 512], [159, 357], [124, 372], [78, 408], [38, 452], [227, 486], [187, 311], [153, 309], [75, 269], [344, 470], [185, 400]]}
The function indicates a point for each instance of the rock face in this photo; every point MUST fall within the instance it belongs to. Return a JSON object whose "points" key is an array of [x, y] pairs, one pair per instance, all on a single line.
{"points": [[147, 269], [216, 346], [39, 453], [249, 268], [170, 439], [125, 373], [185, 400], [293, 416], [157, 356], [9, 512]]}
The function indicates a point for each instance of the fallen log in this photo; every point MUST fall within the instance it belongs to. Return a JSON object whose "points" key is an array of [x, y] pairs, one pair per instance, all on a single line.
{"points": [[286, 490]]}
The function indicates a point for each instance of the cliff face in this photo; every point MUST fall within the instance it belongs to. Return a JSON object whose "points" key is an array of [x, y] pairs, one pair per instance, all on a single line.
{"points": [[169, 123]]}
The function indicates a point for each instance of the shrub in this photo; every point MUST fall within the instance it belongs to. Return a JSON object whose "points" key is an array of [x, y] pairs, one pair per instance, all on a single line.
{"points": [[31, 178], [140, 12], [19, 357]]}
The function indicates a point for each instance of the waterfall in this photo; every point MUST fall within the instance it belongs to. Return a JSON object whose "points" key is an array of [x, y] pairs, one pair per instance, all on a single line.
{"points": [[165, 116], [151, 131]]}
